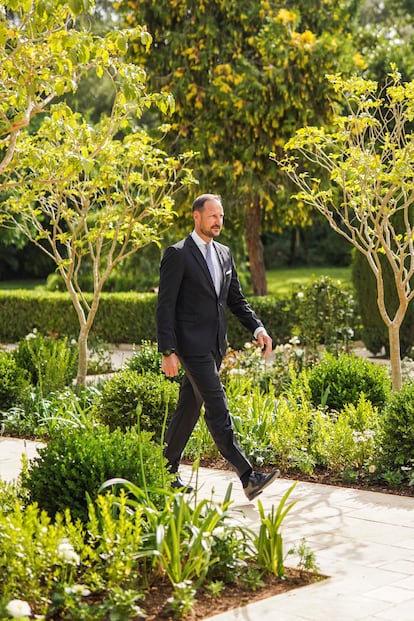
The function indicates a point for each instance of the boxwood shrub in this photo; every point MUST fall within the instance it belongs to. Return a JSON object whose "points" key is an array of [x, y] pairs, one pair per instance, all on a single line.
{"points": [[338, 381], [13, 381], [74, 463], [129, 394], [398, 429]]}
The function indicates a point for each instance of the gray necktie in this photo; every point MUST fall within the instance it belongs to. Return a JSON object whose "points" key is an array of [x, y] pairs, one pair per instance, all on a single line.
{"points": [[210, 264]]}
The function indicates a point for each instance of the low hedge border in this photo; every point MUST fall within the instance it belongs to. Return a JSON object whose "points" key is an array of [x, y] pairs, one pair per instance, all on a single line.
{"points": [[121, 317]]}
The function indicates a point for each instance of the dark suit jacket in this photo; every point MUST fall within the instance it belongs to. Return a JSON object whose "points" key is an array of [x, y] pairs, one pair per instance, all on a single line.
{"points": [[191, 317]]}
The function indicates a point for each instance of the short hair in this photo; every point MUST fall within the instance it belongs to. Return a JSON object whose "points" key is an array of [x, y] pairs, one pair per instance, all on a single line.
{"points": [[203, 198]]}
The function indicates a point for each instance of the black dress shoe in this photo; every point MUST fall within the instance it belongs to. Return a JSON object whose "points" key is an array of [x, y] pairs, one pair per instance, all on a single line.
{"points": [[257, 482], [180, 485]]}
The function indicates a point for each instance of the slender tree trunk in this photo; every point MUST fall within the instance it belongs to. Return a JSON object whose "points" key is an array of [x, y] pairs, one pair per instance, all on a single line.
{"points": [[83, 357], [255, 247], [395, 357]]}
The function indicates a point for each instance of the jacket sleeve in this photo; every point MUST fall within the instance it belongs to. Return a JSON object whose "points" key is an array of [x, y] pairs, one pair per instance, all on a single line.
{"points": [[171, 274], [238, 304]]}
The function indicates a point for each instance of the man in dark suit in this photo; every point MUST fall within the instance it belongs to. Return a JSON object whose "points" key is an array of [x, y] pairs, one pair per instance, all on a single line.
{"points": [[198, 280]]}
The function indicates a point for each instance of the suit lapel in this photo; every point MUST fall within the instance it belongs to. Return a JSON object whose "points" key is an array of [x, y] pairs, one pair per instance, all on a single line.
{"points": [[197, 254]]}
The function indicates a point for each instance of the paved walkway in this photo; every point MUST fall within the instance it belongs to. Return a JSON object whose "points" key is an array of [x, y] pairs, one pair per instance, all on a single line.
{"points": [[363, 540]]}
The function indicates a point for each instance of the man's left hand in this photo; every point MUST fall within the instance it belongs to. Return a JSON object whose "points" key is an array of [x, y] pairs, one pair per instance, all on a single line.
{"points": [[265, 343]]}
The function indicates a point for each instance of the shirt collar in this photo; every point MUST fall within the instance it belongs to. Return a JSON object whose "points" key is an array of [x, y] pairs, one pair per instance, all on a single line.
{"points": [[200, 242]]}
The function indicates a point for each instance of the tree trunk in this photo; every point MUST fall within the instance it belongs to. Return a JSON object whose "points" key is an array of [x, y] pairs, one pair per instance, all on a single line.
{"points": [[255, 247], [83, 357], [395, 357]]}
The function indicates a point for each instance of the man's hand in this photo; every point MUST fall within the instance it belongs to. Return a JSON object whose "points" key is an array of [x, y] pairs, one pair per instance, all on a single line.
{"points": [[265, 342], [170, 365]]}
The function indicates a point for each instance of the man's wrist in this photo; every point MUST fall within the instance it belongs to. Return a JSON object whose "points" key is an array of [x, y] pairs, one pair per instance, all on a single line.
{"points": [[168, 352], [259, 330]]}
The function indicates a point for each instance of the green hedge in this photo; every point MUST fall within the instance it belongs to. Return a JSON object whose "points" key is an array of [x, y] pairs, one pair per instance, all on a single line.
{"points": [[275, 313], [130, 317], [121, 318]]}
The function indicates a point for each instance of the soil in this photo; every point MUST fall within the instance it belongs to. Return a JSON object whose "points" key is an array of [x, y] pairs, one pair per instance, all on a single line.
{"points": [[232, 596]]}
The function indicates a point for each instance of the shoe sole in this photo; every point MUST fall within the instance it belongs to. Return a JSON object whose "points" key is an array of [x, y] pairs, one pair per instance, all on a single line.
{"points": [[255, 495]]}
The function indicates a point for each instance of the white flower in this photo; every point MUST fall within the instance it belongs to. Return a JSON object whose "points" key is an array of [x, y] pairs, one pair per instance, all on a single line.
{"points": [[78, 589], [300, 295], [67, 553], [18, 609]]}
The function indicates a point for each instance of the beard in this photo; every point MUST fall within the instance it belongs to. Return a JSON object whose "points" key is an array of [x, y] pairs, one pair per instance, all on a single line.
{"points": [[213, 232]]}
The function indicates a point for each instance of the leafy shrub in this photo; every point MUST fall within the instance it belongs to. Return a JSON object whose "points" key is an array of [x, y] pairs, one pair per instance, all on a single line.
{"points": [[43, 561], [347, 440], [30, 562], [247, 364], [50, 362], [42, 416], [325, 314], [335, 382], [130, 394], [398, 428], [13, 381], [148, 358], [289, 437], [74, 464]]}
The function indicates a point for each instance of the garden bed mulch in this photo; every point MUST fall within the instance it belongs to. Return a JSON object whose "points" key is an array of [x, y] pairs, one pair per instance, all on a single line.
{"points": [[232, 596]]}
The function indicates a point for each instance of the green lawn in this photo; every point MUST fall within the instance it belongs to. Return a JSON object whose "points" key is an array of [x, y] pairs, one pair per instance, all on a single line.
{"points": [[21, 284], [282, 281], [279, 281]]}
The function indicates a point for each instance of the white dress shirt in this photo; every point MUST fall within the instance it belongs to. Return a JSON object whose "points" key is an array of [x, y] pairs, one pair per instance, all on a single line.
{"points": [[202, 245]]}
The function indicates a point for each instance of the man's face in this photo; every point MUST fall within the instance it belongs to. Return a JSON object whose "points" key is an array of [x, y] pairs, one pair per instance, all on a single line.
{"points": [[209, 221]]}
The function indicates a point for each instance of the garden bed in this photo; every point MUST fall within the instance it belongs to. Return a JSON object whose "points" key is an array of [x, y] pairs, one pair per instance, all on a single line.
{"points": [[155, 604]]}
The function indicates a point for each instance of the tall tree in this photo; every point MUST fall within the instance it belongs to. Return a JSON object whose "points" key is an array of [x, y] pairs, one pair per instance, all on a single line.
{"points": [[79, 190], [244, 76], [369, 156]]}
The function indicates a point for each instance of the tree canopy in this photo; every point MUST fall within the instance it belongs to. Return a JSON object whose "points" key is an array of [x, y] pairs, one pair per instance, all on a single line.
{"points": [[369, 155], [244, 76], [80, 190]]}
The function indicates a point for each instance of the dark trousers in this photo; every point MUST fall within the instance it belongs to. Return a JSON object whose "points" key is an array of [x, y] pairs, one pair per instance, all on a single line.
{"points": [[201, 384]]}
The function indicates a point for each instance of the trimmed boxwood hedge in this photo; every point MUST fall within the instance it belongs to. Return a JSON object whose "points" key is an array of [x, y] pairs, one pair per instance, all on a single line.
{"points": [[121, 317]]}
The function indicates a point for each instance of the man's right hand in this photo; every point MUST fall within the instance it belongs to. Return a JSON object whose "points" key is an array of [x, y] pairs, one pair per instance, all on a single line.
{"points": [[170, 365]]}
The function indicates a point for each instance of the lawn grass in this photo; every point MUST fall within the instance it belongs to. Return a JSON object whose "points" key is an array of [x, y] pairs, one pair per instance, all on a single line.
{"points": [[282, 281], [279, 281], [21, 284]]}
